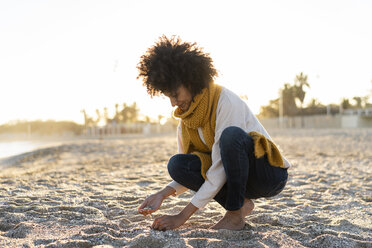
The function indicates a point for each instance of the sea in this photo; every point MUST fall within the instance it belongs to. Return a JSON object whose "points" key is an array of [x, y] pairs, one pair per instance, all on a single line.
{"points": [[12, 148]]}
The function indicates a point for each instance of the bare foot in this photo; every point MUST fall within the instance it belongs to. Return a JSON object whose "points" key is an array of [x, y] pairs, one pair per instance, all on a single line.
{"points": [[247, 207], [234, 220]]}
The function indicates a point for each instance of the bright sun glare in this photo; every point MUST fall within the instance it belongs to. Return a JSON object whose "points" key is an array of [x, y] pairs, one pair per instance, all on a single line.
{"points": [[59, 57]]}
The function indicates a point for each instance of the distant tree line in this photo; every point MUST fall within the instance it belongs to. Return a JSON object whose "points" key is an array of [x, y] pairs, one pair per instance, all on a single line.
{"points": [[127, 114], [292, 99], [292, 102], [42, 127]]}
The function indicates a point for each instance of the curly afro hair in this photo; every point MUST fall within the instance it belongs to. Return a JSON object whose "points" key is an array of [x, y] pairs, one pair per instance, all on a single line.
{"points": [[171, 63]]}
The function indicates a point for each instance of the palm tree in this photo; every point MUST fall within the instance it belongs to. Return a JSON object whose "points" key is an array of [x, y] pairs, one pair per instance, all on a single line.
{"points": [[300, 82], [365, 100], [134, 110], [85, 117], [358, 101], [106, 116], [345, 103], [116, 117], [98, 116], [289, 104]]}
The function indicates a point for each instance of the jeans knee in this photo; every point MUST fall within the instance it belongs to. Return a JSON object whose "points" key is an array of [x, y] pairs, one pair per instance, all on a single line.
{"points": [[232, 136], [173, 164], [279, 188], [274, 185]]}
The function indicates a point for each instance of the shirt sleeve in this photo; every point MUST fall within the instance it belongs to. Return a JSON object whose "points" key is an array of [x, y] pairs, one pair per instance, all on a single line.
{"points": [[179, 140], [178, 187], [229, 113]]}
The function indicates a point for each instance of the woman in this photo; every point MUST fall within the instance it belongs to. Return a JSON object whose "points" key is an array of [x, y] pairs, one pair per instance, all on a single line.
{"points": [[224, 152]]}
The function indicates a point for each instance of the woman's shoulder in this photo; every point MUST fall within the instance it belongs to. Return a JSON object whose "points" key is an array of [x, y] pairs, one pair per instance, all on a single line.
{"points": [[232, 106], [229, 99], [228, 96]]}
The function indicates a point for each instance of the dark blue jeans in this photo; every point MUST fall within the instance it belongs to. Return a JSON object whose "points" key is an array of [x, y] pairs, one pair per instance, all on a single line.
{"points": [[246, 176]]}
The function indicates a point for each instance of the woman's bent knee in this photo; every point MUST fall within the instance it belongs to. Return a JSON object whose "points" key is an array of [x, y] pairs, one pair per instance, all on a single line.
{"points": [[185, 170], [231, 132], [173, 164], [234, 136]]}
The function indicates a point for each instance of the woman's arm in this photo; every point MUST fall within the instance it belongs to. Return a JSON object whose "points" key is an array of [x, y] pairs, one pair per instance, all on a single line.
{"points": [[165, 222], [178, 187], [153, 202], [169, 222]]}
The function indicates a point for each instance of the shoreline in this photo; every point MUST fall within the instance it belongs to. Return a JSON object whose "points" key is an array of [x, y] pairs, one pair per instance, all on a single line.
{"points": [[22, 147], [40, 142]]}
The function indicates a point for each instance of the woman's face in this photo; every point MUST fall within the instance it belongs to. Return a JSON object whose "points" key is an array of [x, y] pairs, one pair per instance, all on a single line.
{"points": [[182, 98]]}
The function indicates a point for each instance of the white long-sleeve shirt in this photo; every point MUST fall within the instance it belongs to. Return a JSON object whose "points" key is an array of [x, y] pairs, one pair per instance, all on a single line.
{"points": [[231, 111]]}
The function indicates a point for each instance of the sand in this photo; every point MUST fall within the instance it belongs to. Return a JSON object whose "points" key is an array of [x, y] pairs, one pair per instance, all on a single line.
{"points": [[86, 194]]}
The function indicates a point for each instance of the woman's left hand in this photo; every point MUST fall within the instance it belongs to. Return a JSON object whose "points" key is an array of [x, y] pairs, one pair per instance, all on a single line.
{"points": [[168, 222]]}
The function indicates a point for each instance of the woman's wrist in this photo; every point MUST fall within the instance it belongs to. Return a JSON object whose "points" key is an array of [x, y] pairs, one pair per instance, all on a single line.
{"points": [[167, 191], [189, 210]]}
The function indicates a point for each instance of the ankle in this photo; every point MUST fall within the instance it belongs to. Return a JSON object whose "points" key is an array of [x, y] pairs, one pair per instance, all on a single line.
{"points": [[236, 214]]}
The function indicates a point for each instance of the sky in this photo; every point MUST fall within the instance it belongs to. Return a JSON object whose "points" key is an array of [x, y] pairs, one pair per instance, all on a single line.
{"points": [[59, 57]]}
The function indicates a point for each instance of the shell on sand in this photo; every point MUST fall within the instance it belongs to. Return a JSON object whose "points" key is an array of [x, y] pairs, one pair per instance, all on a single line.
{"points": [[86, 193]]}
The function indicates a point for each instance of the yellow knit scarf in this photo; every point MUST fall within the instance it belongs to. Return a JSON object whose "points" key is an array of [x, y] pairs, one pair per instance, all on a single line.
{"points": [[202, 113]]}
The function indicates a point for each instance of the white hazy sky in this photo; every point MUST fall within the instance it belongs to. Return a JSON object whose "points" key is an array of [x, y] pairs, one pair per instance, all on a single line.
{"points": [[58, 57]]}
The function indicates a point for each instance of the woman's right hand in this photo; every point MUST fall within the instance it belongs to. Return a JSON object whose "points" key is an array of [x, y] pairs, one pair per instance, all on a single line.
{"points": [[151, 204]]}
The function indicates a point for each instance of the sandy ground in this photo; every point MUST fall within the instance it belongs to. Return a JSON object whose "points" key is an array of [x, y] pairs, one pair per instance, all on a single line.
{"points": [[86, 194]]}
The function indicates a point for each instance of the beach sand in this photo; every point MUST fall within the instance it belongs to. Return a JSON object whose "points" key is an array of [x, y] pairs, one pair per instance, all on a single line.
{"points": [[86, 194]]}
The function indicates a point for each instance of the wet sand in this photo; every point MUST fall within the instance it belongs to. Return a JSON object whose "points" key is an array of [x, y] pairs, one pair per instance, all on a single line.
{"points": [[86, 194]]}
